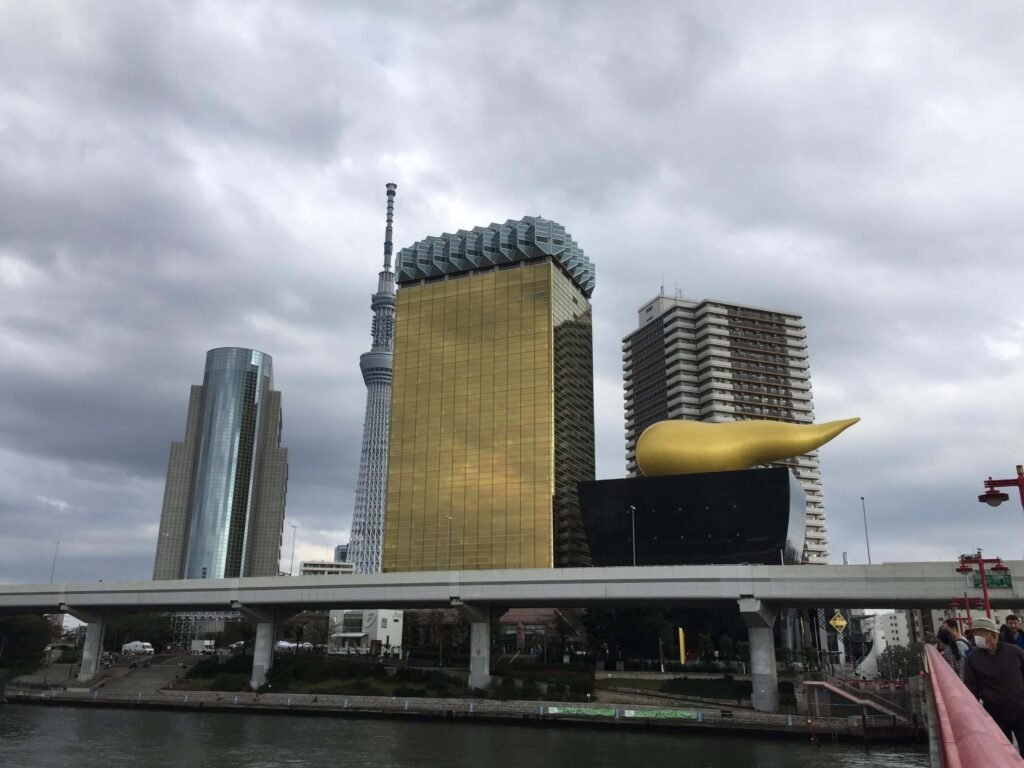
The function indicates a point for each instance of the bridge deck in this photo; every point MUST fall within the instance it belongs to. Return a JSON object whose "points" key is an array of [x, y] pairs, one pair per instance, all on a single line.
{"points": [[889, 585]]}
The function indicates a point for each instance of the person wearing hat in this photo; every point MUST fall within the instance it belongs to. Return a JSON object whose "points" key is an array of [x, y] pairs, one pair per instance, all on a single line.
{"points": [[994, 673]]}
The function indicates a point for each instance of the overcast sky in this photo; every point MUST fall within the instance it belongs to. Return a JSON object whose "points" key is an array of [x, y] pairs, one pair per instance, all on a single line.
{"points": [[177, 176]]}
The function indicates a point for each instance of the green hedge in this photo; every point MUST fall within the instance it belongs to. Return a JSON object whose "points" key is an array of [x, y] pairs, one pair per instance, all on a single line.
{"points": [[711, 688], [315, 669], [209, 667], [230, 682]]}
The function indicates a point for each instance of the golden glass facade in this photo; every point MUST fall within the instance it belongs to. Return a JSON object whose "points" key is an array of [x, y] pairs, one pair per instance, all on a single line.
{"points": [[491, 421]]}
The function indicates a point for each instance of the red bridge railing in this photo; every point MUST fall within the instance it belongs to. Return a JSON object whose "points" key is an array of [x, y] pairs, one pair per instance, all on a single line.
{"points": [[968, 737]]}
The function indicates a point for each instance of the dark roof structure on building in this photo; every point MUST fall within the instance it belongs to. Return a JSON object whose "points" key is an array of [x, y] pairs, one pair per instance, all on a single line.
{"points": [[484, 248]]}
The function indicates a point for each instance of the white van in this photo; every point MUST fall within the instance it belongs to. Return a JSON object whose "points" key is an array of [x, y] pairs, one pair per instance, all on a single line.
{"points": [[137, 648]]}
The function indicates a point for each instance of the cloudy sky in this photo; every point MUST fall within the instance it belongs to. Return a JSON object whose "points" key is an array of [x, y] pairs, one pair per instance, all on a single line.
{"points": [[177, 176]]}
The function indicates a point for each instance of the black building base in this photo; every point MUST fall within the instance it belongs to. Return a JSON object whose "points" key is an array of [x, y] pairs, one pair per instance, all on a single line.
{"points": [[751, 516]]}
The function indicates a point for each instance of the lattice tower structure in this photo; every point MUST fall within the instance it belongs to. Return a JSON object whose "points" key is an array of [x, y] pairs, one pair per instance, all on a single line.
{"points": [[367, 535]]}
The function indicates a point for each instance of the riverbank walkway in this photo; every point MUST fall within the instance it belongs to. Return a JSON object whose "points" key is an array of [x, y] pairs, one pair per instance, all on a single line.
{"points": [[480, 710]]}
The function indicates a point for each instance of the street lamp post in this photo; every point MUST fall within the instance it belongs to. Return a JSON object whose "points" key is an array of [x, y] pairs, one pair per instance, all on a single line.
{"points": [[291, 566], [967, 563], [53, 567], [631, 511], [994, 498], [867, 541]]}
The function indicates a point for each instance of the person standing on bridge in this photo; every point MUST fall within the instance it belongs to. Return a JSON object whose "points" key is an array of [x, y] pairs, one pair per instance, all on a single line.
{"points": [[950, 651], [961, 642], [1010, 632], [994, 673]]}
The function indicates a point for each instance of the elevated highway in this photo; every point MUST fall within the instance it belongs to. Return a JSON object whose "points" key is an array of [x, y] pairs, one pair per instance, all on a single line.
{"points": [[891, 585], [760, 591]]}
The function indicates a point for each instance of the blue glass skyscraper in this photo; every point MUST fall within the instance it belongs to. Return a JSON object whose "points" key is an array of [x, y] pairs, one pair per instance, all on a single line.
{"points": [[223, 509]]}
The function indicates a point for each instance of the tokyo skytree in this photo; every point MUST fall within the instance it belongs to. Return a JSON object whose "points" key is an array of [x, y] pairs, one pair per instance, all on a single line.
{"points": [[367, 535]]}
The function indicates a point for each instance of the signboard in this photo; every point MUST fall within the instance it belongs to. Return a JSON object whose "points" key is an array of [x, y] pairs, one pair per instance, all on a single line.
{"points": [[653, 714], [593, 711], [838, 622], [993, 580], [661, 714]]}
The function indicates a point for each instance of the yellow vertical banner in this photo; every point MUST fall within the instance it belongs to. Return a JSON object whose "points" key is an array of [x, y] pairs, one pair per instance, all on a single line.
{"points": [[682, 646]]}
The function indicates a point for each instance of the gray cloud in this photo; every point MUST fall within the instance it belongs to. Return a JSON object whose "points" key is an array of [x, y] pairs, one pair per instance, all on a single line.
{"points": [[176, 176]]}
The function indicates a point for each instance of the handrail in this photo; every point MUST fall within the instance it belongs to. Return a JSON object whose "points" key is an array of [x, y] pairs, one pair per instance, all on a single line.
{"points": [[853, 699], [865, 693], [968, 736]]}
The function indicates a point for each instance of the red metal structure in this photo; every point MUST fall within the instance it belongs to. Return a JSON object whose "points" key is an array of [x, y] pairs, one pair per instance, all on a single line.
{"points": [[968, 737], [994, 498], [966, 603], [967, 563]]}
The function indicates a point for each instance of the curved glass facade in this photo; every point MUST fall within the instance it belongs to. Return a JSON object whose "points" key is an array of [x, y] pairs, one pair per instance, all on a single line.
{"points": [[236, 384]]}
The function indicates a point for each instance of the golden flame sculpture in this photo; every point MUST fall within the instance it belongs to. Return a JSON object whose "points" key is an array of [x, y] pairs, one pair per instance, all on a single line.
{"points": [[678, 447]]}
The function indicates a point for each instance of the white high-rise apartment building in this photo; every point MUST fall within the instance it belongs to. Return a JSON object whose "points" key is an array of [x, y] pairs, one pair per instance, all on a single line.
{"points": [[714, 361]]}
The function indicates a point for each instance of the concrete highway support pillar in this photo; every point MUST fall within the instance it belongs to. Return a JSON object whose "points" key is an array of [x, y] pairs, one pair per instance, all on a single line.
{"points": [[479, 618], [263, 653], [93, 649], [763, 675], [263, 649]]}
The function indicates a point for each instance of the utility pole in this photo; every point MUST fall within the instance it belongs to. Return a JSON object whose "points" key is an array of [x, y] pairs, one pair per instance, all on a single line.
{"points": [[53, 568], [867, 541], [291, 566], [632, 521]]}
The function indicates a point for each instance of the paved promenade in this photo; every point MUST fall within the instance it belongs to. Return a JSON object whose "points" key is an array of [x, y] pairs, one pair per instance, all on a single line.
{"points": [[517, 712]]}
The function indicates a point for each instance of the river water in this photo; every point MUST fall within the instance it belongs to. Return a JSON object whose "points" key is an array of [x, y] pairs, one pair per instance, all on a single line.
{"points": [[32, 736]]}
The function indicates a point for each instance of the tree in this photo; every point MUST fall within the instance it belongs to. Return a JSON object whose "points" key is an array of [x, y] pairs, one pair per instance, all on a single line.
{"points": [[600, 625], [22, 640], [307, 627], [726, 647], [235, 631], [810, 659], [705, 647], [154, 628], [784, 656], [627, 632], [460, 634], [412, 630], [743, 651], [900, 662]]}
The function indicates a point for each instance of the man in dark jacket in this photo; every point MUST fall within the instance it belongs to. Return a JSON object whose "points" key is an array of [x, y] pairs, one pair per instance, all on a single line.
{"points": [[1010, 632], [995, 674]]}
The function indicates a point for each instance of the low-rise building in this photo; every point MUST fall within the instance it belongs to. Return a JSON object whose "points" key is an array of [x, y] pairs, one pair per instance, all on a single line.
{"points": [[365, 631], [325, 568]]}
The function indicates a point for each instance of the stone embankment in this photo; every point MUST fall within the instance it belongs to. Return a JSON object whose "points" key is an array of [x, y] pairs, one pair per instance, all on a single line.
{"points": [[477, 710]]}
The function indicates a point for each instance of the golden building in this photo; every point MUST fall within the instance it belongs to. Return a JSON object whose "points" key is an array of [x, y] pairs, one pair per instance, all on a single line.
{"points": [[492, 412]]}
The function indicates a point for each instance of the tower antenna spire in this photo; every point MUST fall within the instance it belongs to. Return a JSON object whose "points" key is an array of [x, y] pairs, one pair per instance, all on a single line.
{"points": [[367, 533], [391, 187]]}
